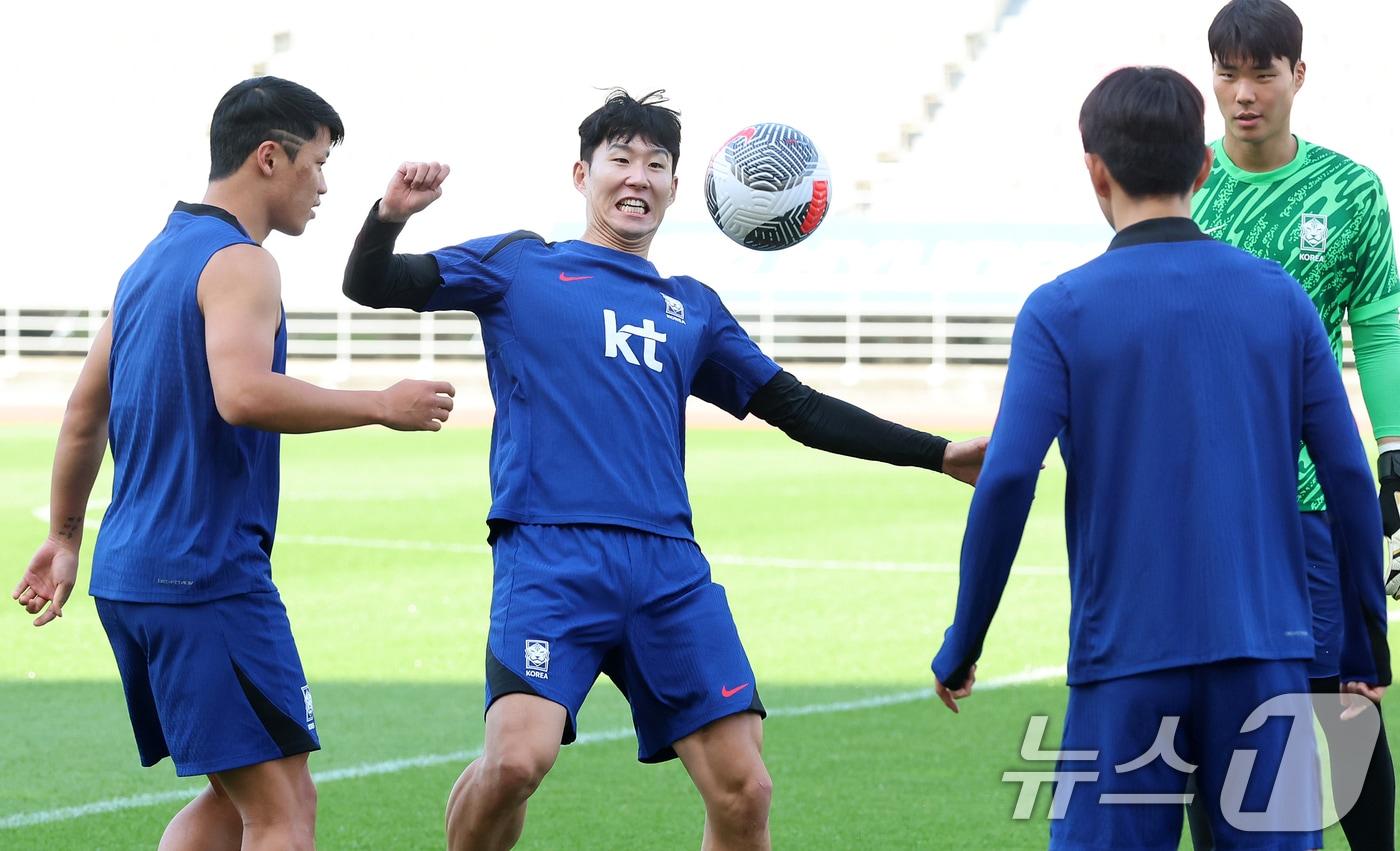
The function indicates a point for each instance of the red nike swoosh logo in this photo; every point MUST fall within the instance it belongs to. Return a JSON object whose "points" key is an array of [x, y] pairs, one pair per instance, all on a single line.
{"points": [[567, 278], [725, 691]]}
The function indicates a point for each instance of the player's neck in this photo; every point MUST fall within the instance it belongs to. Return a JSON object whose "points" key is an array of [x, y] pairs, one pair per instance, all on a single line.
{"points": [[607, 239], [1268, 154], [1128, 211], [250, 214]]}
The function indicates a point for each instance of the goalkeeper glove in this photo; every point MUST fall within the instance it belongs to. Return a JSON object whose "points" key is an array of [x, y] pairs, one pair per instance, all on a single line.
{"points": [[1388, 468]]}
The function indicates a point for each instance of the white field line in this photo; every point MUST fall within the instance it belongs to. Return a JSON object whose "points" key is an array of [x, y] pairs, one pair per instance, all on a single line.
{"points": [[734, 560], [96, 507], [395, 766]]}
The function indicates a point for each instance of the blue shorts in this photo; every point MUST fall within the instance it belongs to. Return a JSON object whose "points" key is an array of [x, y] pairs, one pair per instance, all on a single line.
{"points": [[1325, 593], [1261, 790], [214, 686], [570, 602]]}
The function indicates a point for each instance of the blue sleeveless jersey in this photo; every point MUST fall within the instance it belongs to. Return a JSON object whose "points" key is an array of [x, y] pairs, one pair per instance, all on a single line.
{"points": [[194, 499], [591, 356]]}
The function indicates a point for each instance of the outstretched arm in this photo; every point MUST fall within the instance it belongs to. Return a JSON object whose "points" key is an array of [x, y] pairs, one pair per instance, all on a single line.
{"points": [[82, 443], [827, 423], [240, 295]]}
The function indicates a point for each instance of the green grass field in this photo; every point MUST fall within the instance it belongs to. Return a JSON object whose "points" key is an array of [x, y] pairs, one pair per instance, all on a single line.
{"points": [[840, 574]]}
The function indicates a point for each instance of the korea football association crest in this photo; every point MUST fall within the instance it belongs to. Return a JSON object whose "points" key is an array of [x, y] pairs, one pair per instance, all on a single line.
{"points": [[537, 658], [1312, 237], [674, 309], [310, 708]]}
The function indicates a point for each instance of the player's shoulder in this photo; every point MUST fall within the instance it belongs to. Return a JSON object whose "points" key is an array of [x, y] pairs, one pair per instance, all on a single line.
{"points": [[242, 271], [684, 286], [242, 259], [1230, 262], [687, 283], [1055, 297], [1261, 279], [488, 247], [1339, 163]]}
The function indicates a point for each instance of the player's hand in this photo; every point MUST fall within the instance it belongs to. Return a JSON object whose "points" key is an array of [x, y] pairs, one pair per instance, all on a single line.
{"points": [[413, 187], [414, 405], [48, 581], [1357, 695], [963, 460], [950, 697]]}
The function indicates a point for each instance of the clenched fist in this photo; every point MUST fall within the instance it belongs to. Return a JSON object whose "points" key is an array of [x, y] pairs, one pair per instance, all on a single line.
{"points": [[413, 187]]}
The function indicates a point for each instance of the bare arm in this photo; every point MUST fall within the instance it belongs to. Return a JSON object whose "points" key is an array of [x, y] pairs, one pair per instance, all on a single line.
{"points": [[82, 443], [240, 293]]}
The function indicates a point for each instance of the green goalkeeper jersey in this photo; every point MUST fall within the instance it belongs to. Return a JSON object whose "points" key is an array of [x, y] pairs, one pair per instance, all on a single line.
{"points": [[1324, 218]]}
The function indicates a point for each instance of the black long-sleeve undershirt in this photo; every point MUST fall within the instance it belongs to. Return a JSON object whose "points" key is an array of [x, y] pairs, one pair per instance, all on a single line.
{"points": [[377, 277], [829, 424]]}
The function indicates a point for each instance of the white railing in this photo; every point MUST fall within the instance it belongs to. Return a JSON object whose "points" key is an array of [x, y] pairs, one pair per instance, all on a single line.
{"points": [[849, 337]]}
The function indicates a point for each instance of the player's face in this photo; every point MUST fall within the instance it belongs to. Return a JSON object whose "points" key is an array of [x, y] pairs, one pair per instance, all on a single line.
{"points": [[301, 185], [1256, 100], [628, 186]]}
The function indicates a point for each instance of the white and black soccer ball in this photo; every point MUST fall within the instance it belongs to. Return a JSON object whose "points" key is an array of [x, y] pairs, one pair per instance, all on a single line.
{"points": [[768, 187]]}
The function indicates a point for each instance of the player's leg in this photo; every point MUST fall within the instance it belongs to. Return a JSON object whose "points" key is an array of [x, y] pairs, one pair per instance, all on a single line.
{"points": [[724, 759], [1370, 823], [1123, 759], [555, 612], [218, 687], [210, 821], [486, 809], [1197, 817], [1258, 767], [275, 802], [1325, 596], [1363, 785], [692, 689]]}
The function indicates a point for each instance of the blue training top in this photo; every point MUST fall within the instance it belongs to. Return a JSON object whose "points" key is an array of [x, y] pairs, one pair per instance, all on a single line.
{"points": [[591, 355], [194, 499], [1179, 374]]}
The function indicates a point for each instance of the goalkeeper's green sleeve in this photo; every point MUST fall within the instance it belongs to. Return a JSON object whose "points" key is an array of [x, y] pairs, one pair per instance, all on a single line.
{"points": [[1376, 344]]}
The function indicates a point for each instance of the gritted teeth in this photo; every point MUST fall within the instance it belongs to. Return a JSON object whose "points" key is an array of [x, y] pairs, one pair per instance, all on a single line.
{"points": [[633, 205]]}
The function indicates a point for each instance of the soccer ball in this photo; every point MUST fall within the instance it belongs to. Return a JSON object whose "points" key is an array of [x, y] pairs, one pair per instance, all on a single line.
{"points": [[768, 187]]}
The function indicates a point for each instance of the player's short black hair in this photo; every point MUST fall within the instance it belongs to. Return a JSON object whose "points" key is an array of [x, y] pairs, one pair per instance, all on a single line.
{"points": [[1256, 31], [1148, 125], [264, 108], [623, 117]]}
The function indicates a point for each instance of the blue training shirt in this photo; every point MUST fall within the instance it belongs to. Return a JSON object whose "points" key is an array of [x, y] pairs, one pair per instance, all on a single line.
{"points": [[591, 355], [194, 499], [1179, 374]]}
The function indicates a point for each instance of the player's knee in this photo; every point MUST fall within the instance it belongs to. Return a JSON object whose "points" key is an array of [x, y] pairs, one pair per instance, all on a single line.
{"points": [[514, 775], [306, 797], [287, 817], [744, 799], [282, 827]]}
